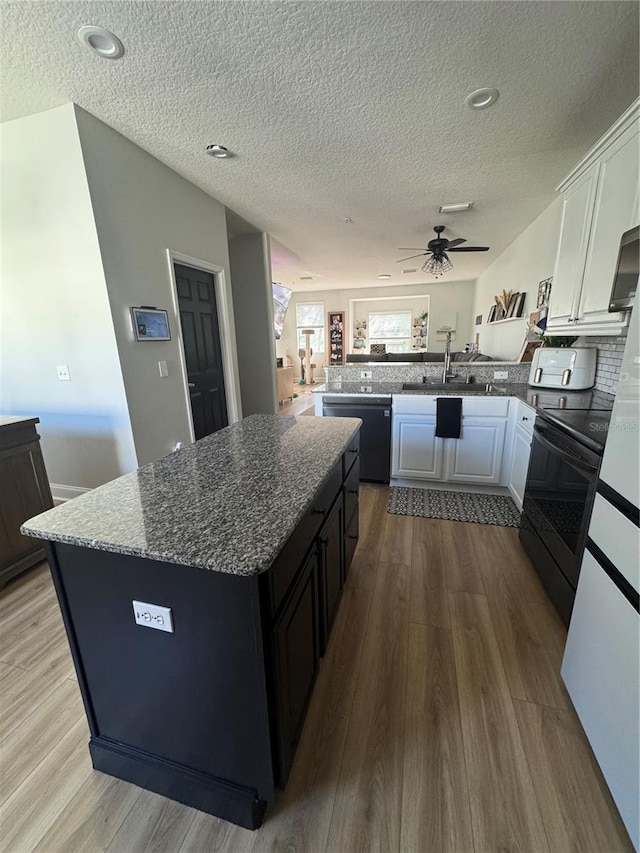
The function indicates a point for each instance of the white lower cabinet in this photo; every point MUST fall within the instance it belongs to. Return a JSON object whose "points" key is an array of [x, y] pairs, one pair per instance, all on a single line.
{"points": [[476, 457], [417, 453], [523, 418]]}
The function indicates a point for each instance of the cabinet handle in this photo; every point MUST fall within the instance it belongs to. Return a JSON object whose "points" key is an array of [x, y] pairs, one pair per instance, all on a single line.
{"points": [[524, 418], [351, 536], [352, 491], [318, 511], [324, 540]]}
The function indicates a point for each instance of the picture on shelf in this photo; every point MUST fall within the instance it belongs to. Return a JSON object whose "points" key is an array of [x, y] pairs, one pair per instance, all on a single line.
{"points": [[544, 293]]}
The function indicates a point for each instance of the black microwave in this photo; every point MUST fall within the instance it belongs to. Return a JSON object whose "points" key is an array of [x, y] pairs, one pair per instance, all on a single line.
{"points": [[625, 282]]}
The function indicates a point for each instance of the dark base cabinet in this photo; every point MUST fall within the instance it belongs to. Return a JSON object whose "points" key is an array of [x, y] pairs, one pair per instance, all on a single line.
{"points": [[24, 492], [209, 715]]}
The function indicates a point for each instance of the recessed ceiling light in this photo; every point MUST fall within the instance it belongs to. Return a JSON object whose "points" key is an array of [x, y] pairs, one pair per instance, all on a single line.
{"points": [[455, 208], [101, 42], [306, 278], [482, 98], [384, 276], [408, 271], [218, 151]]}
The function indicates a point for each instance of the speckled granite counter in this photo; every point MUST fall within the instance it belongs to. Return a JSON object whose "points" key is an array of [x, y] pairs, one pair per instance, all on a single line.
{"points": [[539, 398], [227, 503]]}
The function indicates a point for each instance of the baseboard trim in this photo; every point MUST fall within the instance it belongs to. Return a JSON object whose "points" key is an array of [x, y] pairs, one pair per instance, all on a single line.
{"points": [[232, 803], [438, 485], [66, 493]]}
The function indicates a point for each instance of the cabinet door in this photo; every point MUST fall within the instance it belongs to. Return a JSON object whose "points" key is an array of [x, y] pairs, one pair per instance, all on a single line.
{"points": [[416, 453], [572, 250], [476, 457], [331, 572], [351, 536], [520, 453], [296, 638], [616, 211]]}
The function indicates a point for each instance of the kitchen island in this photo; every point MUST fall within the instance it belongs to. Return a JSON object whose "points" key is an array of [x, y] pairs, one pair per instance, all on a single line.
{"points": [[198, 595]]}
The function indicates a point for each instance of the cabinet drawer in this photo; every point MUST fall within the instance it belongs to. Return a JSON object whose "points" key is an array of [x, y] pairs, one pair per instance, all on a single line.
{"points": [[525, 417], [351, 491], [485, 407], [351, 454]]}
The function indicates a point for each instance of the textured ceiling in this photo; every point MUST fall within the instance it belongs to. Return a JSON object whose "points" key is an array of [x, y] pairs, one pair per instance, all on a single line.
{"points": [[344, 109]]}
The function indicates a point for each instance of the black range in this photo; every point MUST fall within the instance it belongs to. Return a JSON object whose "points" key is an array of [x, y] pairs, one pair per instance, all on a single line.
{"points": [[566, 452]]}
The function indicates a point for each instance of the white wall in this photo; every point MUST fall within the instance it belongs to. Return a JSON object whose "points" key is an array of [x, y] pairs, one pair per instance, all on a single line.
{"points": [[527, 261], [444, 296], [141, 209], [253, 301], [54, 307]]}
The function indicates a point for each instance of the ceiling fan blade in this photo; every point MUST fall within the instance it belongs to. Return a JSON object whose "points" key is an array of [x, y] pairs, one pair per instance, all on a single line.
{"points": [[411, 249], [456, 242], [468, 249], [412, 257]]}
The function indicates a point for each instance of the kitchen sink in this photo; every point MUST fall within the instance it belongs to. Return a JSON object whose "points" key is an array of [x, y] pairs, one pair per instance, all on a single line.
{"points": [[453, 387]]}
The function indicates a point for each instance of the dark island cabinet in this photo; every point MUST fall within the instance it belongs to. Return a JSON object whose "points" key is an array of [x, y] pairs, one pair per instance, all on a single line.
{"points": [[210, 714], [296, 641], [24, 492]]}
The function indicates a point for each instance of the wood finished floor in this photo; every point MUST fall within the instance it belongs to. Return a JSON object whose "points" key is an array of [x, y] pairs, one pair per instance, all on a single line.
{"points": [[439, 721]]}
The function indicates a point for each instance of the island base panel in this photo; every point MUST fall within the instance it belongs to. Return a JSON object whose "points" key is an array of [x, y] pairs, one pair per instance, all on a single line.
{"points": [[233, 803]]}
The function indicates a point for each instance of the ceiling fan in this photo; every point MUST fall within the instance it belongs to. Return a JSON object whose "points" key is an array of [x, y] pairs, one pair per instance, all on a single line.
{"points": [[438, 261]]}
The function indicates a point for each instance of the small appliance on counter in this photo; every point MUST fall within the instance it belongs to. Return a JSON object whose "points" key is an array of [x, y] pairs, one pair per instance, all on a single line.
{"points": [[571, 368]]}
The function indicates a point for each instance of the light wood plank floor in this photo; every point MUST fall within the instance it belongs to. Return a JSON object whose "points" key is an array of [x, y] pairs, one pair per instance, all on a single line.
{"points": [[439, 721]]}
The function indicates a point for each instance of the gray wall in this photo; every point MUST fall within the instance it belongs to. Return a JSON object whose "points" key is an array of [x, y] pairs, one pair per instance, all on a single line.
{"points": [[54, 307], [253, 304], [141, 209]]}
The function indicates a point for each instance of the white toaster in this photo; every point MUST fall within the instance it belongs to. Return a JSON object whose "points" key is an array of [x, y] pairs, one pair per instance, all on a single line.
{"points": [[573, 367]]}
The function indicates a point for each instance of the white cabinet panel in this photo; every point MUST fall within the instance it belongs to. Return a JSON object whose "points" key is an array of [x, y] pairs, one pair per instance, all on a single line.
{"points": [[417, 453], [520, 452], [617, 538], [600, 203], [616, 210], [476, 457], [577, 214]]}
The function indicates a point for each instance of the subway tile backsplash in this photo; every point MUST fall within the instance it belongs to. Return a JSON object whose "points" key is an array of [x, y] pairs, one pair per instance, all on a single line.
{"points": [[610, 350]]}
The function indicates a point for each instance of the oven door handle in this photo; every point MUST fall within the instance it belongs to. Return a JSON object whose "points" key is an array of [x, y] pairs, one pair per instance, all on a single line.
{"points": [[571, 458]]}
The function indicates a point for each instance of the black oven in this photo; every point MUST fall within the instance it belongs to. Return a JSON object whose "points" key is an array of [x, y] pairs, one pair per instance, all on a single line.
{"points": [[559, 495]]}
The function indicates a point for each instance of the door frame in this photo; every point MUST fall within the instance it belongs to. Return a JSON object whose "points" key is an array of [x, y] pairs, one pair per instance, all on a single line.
{"points": [[226, 328]]}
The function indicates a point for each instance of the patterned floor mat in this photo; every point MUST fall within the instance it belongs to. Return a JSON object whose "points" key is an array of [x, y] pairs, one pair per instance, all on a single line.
{"points": [[454, 506]]}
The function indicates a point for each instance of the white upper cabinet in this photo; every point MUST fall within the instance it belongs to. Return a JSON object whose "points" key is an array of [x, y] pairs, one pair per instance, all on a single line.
{"points": [[600, 203]]}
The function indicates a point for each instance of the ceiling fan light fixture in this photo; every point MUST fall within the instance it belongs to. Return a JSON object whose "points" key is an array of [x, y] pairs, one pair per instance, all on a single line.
{"points": [[482, 98], [437, 265], [101, 42], [384, 277]]}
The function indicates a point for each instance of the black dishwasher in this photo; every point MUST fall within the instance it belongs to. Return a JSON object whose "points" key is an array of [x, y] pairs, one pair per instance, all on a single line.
{"points": [[375, 434]]}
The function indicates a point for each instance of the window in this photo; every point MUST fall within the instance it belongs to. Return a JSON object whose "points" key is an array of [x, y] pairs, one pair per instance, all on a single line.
{"points": [[310, 315], [392, 328]]}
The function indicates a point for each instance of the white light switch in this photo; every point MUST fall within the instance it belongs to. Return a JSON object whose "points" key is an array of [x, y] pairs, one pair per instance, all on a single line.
{"points": [[63, 373], [500, 374], [162, 367], [153, 616], [366, 374]]}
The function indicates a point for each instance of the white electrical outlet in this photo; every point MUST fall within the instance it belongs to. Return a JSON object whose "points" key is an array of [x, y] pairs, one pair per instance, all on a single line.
{"points": [[153, 616], [366, 374], [366, 389], [63, 373], [500, 374]]}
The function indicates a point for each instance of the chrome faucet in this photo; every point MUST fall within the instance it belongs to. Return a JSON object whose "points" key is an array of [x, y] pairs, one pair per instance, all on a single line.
{"points": [[446, 372]]}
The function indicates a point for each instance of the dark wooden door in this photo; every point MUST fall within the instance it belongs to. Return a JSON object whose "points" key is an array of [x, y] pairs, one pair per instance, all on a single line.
{"points": [[332, 545], [297, 660], [201, 336]]}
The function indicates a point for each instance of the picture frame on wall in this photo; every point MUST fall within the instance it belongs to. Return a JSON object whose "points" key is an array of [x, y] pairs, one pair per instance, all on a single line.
{"points": [[336, 337], [150, 324]]}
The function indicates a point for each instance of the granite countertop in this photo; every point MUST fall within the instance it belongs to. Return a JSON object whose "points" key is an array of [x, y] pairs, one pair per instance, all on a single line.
{"points": [[227, 503], [11, 420], [538, 398]]}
